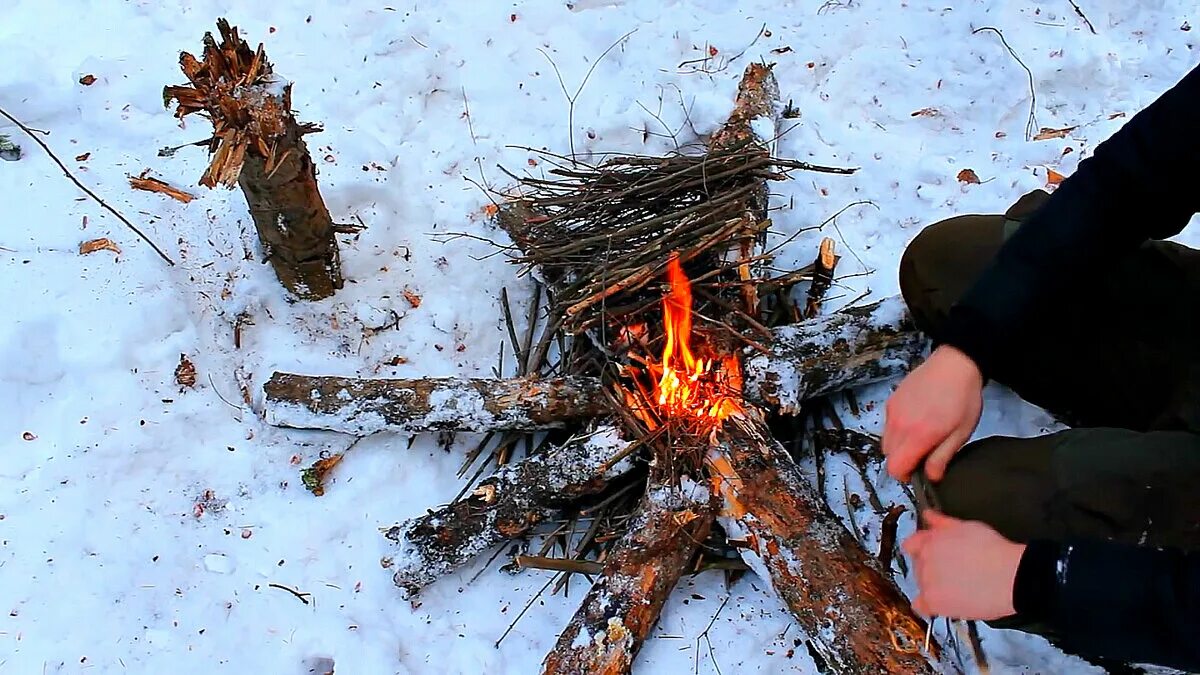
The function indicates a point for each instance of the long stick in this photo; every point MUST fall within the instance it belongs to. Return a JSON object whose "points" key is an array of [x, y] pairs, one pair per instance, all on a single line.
{"points": [[83, 187]]}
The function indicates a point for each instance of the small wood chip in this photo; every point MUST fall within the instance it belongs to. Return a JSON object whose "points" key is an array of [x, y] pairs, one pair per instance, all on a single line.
{"points": [[1047, 133], [1053, 177], [87, 80], [185, 372], [314, 476], [412, 297], [156, 185], [926, 112], [101, 244]]}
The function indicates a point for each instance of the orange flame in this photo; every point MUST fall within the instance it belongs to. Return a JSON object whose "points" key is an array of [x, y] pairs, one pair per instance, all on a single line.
{"points": [[706, 388]]}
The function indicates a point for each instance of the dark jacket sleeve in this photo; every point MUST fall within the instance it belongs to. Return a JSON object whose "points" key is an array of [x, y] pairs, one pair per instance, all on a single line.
{"points": [[1130, 603], [1142, 183]]}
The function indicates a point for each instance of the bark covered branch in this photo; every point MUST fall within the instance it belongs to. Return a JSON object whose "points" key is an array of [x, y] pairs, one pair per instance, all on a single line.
{"points": [[857, 619], [639, 573], [814, 358], [503, 506], [363, 406]]}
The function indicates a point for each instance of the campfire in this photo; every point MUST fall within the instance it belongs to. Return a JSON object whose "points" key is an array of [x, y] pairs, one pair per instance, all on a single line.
{"points": [[668, 343]]}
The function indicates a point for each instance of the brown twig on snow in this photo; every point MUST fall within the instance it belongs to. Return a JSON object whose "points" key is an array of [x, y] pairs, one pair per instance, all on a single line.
{"points": [[81, 186], [155, 185], [1030, 124], [1083, 16], [301, 596]]}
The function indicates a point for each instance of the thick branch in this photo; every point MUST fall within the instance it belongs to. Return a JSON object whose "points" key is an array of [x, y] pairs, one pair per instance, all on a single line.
{"points": [[814, 358], [503, 506], [623, 605], [857, 619], [848, 349], [369, 405]]}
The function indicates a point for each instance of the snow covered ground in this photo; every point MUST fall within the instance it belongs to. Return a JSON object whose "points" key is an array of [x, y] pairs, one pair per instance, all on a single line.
{"points": [[141, 525]]}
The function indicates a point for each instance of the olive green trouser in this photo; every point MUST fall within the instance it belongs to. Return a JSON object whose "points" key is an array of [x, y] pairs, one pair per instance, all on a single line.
{"points": [[1117, 356]]}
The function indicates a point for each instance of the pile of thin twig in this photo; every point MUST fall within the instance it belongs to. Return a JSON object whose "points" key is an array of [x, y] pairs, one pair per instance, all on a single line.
{"points": [[603, 234]]}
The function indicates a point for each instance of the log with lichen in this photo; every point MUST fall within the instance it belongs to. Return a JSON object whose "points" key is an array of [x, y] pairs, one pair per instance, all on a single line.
{"points": [[258, 144], [503, 506]]}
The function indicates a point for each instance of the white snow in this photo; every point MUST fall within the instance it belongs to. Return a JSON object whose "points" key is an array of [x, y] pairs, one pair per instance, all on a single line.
{"points": [[111, 560]]}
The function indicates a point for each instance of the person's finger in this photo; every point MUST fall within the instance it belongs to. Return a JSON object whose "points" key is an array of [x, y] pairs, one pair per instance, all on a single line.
{"points": [[892, 432], [939, 459], [936, 519], [913, 545], [920, 606], [910, 450]]}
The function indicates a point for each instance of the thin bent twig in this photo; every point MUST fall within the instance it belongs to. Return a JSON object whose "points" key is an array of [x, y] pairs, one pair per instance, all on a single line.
{"points": [[81, 186]]}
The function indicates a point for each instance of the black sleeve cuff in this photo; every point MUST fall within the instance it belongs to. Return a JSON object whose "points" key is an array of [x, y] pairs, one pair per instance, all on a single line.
{"points": [[1035, 589]]}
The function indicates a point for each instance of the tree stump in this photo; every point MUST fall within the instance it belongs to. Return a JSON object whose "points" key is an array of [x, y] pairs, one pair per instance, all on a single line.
{"points": [[258, 144]]}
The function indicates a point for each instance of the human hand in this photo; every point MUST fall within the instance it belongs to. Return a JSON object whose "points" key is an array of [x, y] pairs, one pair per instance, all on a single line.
{"points": [[965, 569], [932, 414]]}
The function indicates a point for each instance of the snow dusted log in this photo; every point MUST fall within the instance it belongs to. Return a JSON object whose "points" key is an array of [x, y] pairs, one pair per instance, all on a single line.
{"points": [[364, 406], [504, 505], [643, 567], [851, 348], [839, 351], [258, 144], [858, 621], [754, 121]]}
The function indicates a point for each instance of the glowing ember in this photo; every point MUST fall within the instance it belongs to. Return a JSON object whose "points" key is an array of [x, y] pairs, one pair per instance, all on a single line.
{"points": [[707, 387]]}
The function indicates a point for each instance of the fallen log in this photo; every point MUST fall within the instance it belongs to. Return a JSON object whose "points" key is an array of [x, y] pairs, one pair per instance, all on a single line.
{"points": [[858, 622], [839, 351], [364, 406], [258, 144], [503, 506], [639, 573]]}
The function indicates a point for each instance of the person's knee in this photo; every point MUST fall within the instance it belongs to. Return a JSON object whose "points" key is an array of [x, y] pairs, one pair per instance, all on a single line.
{"points": [[942, 261], [921, 274]]}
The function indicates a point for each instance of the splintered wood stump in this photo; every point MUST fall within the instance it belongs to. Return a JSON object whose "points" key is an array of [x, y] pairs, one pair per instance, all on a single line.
{"points": [[623, 605], [503, 506], [858, 621], [838, 351], [258, 144], [364, 406]]}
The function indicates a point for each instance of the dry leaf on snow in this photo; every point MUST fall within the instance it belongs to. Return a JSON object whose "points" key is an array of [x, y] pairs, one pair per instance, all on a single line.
{"points": [[968, 176], [1053, 177], [101, 244], [87, 80], [412, 298], [926, 112]]}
